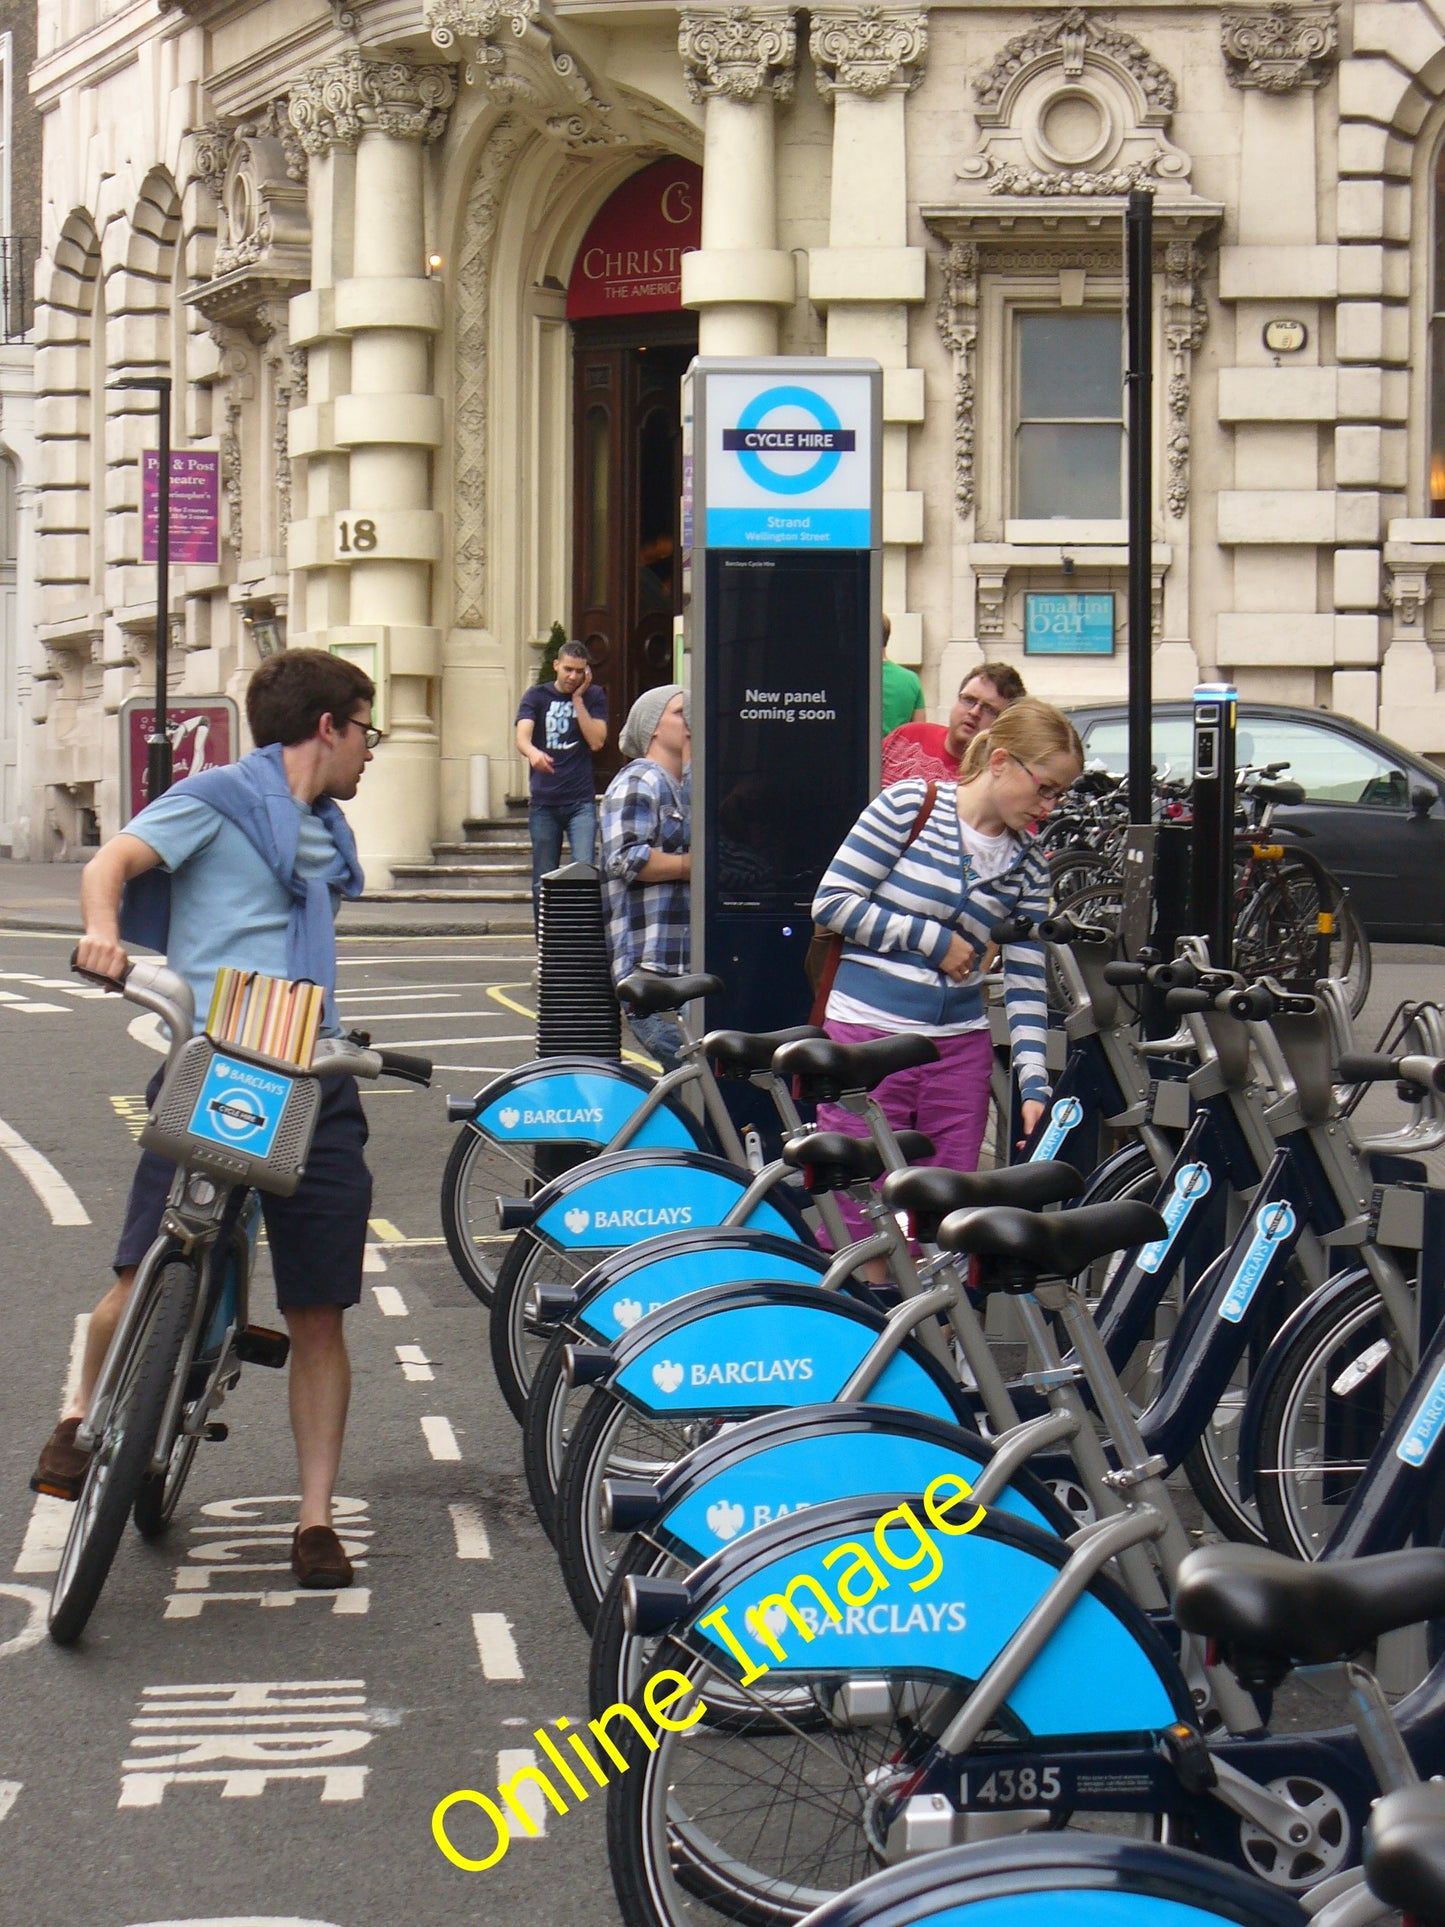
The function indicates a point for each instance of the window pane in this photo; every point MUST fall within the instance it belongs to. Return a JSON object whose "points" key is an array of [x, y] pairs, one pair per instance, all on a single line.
{"points": [[1071, 366], [1171, 745], [1070, 469], [1329, 768]]}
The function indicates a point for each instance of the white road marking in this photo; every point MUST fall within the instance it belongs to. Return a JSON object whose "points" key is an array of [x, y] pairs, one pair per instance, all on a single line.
{"points": [[49, 1523], [496, 1647], [389, 1301], [471, 1532], [146, 1029], [43, 1178], [420, 956], [415, 1365], [241, 1737], [441, 1440], [33, 1631], [530, 1796], [436, 1043], [9, 1792], [371, 1258], [400, 994]]}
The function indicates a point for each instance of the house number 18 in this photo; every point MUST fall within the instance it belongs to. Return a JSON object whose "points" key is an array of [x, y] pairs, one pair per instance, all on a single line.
{"points": [[358, 537]]}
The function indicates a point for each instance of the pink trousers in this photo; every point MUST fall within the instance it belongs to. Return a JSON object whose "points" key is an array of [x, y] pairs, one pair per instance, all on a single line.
{"points": [[948, 1101]]}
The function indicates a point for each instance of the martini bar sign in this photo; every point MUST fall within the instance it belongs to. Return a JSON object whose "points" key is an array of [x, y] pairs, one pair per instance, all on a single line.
{"points": [[631, 259]]}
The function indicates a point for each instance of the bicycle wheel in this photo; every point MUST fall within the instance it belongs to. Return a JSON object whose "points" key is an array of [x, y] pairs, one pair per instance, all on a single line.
{"points": [[610, 1440], [478, 1172], [1100, 904], [159, 1493], [123, 1450], [1336, 1390], [1277, 932], [762, 1821], [551, 1415], [518, 1338], [1211, 1464]]}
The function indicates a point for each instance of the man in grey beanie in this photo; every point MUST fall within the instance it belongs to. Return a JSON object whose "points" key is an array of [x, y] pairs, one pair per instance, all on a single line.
{"points": [[646, 833]]}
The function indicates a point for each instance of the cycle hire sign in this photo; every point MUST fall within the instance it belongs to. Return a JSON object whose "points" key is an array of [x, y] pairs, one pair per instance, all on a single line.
{"points": [[789, 459], [240, 1106]]}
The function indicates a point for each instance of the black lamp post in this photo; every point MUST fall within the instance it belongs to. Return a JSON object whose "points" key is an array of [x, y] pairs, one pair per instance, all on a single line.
{"points": [[158, 743]]}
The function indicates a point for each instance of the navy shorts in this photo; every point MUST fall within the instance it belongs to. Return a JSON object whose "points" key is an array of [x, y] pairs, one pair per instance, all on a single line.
{"points": [[317, 1236]]}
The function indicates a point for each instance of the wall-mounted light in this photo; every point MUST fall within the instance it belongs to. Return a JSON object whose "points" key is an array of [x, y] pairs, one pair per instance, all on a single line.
{"points": [[434, 264]]}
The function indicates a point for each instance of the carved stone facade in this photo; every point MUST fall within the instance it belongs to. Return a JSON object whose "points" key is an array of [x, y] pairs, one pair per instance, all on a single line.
{"points": [[350, 247], [1279, 48]]}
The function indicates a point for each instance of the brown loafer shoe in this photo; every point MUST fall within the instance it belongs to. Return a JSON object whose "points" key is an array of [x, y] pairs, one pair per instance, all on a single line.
{"points": [[317, 1559], [63, 1466]]}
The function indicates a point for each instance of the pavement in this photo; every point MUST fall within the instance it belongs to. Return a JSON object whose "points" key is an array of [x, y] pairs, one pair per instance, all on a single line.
{"points": [[46, 896]]}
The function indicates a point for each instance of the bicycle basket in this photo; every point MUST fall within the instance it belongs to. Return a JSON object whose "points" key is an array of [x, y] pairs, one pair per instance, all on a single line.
{"points": [[239, 1116]]}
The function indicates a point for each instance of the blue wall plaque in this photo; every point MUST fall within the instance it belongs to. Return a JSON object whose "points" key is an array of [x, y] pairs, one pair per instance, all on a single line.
{"points": [[1069, 625]]}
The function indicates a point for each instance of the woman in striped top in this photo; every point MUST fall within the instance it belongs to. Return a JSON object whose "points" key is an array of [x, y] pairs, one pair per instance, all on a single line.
{"points": [[915, 917]]}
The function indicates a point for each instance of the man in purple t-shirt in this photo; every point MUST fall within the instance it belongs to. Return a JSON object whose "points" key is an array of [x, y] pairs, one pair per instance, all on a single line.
{"points": [[560, 727]]}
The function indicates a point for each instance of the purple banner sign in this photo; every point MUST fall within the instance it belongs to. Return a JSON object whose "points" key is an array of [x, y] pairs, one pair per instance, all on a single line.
{"points": [[202, 735], [195, 505]]}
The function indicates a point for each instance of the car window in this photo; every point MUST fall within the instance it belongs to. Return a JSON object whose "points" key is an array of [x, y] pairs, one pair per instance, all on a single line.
{"points": [[1328, 765], [1171, 742]]}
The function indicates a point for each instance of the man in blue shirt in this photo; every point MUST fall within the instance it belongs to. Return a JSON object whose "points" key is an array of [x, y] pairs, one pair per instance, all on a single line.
{"points": [[256, 905], [560, 727]]}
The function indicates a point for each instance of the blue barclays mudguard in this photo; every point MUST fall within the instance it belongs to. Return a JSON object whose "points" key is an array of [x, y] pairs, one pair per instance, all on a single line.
{"points": [[740, 1349], [784, 1462], [626, 1287], [1044, 1879], [834, 1590], [580, 1100], [626, 1196]]}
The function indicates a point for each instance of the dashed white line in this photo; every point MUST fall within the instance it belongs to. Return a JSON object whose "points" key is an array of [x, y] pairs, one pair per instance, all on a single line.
{"points": [[415, 1365], [441, 1440], [9, 1789], [389, 1301], [43, 1178], [496, 1647], [371, 1259], [471, 1533], [528, 1795]]}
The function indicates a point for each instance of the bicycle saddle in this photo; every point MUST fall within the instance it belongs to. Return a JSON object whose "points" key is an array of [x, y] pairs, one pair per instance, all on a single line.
{"points": [[825, 1070], [930, 1195], [833, 1160], [645, 994], [1405, 1851], [738, 1053], [1251, 1597], [1059, 1245]]}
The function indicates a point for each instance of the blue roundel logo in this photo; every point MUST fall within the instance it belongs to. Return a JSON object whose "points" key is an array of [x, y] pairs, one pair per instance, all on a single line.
{"points": [[783, 482]]}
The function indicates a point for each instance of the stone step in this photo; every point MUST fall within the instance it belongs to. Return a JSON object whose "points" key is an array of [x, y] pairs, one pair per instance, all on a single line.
{"points": [[460, 876], [448, 896], [492, 846]]}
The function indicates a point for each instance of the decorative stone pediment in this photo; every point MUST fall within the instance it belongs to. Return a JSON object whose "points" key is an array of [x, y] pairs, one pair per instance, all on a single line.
{"points": [[256, 173], [1074, 108], [518, 52], [1279, 48]]}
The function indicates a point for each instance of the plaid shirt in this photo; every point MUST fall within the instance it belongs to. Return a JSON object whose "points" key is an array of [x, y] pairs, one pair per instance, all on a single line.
{"points": [[648, 924]]}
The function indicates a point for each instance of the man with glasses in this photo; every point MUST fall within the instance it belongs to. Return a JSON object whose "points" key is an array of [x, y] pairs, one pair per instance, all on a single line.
{"points": [[935, 750], [245, 866]]}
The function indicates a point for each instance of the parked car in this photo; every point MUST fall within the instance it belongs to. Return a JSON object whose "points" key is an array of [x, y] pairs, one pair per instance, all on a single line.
{"points": [[1374, 813]]}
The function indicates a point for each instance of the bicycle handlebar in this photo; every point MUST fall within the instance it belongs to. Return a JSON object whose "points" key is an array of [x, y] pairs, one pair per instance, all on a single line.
{"points": [[95, 976], [1378, 1067], [415, 1070]]}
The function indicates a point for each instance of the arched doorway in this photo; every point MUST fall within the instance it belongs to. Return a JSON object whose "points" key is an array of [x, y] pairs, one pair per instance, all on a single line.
{"points": [[631, 346]]}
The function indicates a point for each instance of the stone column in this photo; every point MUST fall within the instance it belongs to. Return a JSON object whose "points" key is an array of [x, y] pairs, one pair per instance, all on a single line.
{"points": [[738, 59], [868, 60], [369, 537]]}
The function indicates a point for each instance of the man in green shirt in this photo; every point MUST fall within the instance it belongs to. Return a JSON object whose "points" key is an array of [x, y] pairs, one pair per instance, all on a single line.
{"points": [[902, 691]]}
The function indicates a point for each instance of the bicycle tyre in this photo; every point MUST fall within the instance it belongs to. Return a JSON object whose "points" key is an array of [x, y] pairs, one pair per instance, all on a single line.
{"points": [[517, 1339], [479, 1170], [160, 1492], [545, 1432], [1301, 1492], [123, 1451]]}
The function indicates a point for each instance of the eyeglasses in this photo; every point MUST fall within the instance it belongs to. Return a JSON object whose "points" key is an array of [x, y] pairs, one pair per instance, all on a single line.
{"points": [[1048, 793], [373, 736], [977, 702]]}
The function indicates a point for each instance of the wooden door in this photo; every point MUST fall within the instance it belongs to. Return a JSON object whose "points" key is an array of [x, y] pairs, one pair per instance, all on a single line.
{"points": [[627, 443]]}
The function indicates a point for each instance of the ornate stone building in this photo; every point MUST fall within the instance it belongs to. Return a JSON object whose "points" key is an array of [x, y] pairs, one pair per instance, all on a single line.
{"points": [[412, 279]]}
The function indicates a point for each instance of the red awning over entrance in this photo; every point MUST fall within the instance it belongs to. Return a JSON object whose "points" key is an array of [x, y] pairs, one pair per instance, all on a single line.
{"points": [[631, 260]]}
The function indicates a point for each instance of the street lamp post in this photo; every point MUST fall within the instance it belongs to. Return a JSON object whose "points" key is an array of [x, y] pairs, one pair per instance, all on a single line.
{"points": [[158, 743]]}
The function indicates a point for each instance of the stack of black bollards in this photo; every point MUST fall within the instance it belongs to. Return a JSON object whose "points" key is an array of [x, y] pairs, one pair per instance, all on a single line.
{"points": [[577, 1012]]}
